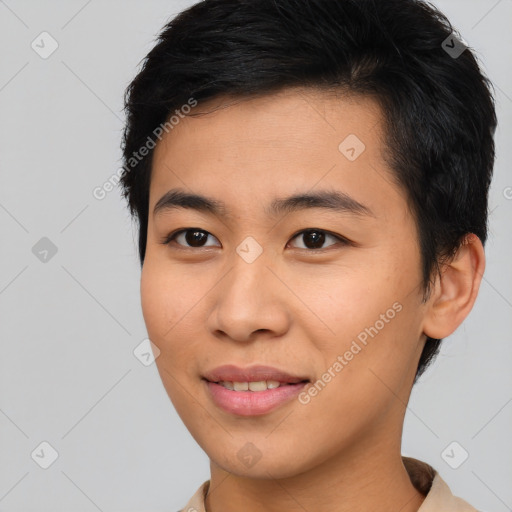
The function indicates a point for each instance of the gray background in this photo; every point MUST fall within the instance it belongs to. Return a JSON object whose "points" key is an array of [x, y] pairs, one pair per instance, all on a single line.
{"points": [[68, 326]]}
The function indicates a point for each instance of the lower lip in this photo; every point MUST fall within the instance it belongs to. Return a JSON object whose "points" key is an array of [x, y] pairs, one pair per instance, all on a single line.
{"points": [[252, 403]]}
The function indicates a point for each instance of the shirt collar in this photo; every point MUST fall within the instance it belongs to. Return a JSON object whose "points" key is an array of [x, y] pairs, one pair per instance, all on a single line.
{"points": [[424, 478]]}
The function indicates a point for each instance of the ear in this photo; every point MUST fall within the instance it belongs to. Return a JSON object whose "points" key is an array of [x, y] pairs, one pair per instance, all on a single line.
{"points": [[455, 291]]}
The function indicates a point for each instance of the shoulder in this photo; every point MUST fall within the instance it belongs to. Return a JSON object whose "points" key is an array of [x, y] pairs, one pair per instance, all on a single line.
{"points": [[196, 502], [438, 495]]}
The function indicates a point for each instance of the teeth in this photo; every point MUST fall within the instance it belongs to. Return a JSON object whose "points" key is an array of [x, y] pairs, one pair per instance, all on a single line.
{"points": [[261, 385], [240, 386], [258, 386]]}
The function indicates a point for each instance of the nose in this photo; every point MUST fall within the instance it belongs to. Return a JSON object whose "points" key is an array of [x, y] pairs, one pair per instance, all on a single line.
{"points": [[249, 300]]}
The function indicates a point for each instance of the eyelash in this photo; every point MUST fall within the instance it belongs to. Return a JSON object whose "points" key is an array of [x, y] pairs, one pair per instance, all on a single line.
{"points": [[342, 240]]}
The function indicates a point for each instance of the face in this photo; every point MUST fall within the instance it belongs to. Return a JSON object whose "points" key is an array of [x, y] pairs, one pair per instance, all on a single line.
{"points": [[320, 295]]}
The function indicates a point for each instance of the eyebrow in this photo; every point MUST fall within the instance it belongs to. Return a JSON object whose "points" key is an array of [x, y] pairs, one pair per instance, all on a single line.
{"points": [[326, 199]]}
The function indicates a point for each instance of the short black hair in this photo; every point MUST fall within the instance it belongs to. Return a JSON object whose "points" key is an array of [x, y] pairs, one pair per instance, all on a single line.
{"points": [[438, 106]]}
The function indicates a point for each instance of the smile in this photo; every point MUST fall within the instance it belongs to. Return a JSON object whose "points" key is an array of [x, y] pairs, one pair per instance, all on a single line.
{"points": [[261, 385], [253, 391]]}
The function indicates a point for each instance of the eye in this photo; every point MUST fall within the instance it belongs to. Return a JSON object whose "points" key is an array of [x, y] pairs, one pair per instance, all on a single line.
{"points": [[314, 238], [194, 237]]}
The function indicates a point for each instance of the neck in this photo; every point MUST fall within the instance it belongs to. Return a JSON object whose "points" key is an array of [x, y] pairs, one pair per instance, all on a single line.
{"points": [[377, 481]]}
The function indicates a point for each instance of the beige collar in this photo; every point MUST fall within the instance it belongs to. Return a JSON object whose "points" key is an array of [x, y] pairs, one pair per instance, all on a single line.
{"points": [[423, 477]]}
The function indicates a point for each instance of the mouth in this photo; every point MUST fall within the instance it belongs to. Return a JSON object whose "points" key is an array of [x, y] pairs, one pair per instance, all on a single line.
{"points": [[258, 385], [255, 378], [253, 391]]}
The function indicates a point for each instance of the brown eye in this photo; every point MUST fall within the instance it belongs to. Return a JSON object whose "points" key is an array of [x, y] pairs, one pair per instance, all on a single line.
{"points": [[191, 238], [314, 239], [195, 238]]}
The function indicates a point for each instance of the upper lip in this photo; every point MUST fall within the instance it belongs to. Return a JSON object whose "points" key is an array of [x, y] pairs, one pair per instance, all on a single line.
{"points": [[232, 373]]}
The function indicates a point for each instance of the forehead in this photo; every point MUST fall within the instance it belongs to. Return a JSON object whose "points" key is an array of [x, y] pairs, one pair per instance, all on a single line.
{"points": [[291, 141], [281, 120]]}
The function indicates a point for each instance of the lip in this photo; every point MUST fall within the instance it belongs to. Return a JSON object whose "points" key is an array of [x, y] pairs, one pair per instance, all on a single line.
{"points": [[232, 373], [252, 403]]}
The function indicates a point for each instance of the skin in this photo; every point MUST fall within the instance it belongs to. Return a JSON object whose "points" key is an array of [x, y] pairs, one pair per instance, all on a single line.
{"points": [[294, 307]]}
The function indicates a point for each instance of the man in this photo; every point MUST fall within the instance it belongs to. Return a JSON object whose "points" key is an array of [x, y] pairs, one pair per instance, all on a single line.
{"points": [[310, 180]]}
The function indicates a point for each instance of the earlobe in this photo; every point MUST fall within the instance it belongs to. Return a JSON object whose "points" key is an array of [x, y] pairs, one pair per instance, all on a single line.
{"points": [[455, 290]]}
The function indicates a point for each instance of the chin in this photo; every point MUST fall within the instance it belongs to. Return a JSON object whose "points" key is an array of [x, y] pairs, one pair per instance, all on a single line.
{"points": [[259, 460], [261, 470]]}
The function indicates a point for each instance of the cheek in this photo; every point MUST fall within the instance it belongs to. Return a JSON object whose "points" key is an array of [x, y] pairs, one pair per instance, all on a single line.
{"points": [[349, 302], [166, 297], [154, 301], [376, 321], [171, 307], [378, 362], [166, 308]]}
